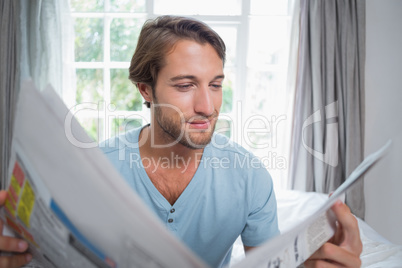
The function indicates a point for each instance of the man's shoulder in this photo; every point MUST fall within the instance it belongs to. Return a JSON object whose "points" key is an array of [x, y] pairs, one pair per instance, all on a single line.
{"points": [[221, 144], [128, 139], [231, 155]]}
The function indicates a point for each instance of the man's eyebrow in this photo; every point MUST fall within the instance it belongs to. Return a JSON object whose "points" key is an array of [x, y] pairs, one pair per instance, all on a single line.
{"points": [[222, 76], [180, 77], [192, 77]]}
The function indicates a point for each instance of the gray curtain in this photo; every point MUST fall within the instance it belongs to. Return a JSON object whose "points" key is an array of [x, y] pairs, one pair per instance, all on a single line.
{"points": [[46, 43], [9, 79], [327, 136], [35, 43]]}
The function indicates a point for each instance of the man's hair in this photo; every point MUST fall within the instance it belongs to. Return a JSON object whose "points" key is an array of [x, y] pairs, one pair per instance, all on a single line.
{"points": [[159, 36]]}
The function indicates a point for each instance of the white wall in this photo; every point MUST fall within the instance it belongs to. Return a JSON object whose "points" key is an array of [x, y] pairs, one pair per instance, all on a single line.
{"points": [[383, 184]]}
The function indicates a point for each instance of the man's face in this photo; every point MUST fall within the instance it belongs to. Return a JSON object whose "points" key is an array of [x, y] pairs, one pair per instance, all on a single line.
{"points": [[188, 94]]}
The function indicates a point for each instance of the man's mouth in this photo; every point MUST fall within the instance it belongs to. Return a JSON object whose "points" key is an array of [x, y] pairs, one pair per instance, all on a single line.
{"points": [[199, 124]]}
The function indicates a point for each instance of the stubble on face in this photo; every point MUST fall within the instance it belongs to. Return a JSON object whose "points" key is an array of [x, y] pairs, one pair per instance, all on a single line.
{"points": [[174, 125]]}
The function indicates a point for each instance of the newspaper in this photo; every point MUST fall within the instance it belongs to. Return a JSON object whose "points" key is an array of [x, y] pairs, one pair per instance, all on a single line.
{"points": [[295, 246], [70, 203], [73, 208]]}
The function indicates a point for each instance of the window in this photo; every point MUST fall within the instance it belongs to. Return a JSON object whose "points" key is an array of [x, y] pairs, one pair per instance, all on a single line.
{"points": [[256, 35], [106, 103]]}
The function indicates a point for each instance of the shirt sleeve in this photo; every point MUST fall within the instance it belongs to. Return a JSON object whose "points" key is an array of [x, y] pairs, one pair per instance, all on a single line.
{"points": [[262, 220]]}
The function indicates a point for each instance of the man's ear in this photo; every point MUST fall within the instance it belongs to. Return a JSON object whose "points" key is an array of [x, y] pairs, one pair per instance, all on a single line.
{"points": [[146, 91]]}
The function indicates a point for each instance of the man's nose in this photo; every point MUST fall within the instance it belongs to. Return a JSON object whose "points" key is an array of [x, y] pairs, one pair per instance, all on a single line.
{"points": [[203, 102]]}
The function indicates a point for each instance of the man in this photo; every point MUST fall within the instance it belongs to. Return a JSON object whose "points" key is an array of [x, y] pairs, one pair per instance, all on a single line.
{"points": [[205, 189], [210, 190]]}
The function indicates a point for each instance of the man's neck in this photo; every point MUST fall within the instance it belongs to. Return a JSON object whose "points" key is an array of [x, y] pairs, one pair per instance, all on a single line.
{"points": [[156, 147], [170, 168]]}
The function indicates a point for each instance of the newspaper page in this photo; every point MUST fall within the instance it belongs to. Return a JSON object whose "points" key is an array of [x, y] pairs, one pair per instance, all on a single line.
{"points": [[295, 246], [32, 213], [70, 203]]}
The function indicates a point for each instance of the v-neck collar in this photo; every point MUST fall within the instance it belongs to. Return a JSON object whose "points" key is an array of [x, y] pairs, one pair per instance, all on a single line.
{"points": [[190, 188]]}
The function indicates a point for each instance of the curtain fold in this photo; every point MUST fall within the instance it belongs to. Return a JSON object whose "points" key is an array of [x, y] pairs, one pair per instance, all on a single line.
{"points": [[327, 135], [46, 42], [9, 79], [36, 43]]}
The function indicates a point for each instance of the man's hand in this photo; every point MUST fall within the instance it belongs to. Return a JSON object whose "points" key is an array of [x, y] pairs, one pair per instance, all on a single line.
{"points": [[345, 247], [12, 245]]}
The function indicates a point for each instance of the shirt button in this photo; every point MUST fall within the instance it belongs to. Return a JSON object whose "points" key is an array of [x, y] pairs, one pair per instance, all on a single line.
{"points": [[172, 210], [170, 220]]}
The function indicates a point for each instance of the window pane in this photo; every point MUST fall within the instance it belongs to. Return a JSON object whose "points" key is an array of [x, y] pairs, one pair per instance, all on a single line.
{"points": [[127, 5], [87, 5], [206, 7], [88, 39], [223, 127], [89, 85], [267, 119], [268, 108], [227, 98], [268, 41], [265, 89], [258, 131], [124, 95], [93, 127], [268, 7], [229, 36], [122, 125], [123, 38]]}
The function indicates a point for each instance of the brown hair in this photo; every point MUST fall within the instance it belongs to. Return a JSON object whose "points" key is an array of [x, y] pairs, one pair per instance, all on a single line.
{"points": [[159, 36]]}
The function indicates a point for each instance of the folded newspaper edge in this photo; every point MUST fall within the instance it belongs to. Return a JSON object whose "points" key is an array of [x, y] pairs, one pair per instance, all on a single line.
{"points": [[73, 208], [71, 204], [296, 245]]}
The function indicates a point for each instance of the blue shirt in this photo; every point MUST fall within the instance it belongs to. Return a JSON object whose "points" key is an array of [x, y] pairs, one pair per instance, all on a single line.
{"points": [[231, 194]]}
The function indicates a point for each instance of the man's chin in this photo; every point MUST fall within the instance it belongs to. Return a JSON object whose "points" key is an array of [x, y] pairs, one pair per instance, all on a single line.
{"points": [[197, 142], [194, 146]]}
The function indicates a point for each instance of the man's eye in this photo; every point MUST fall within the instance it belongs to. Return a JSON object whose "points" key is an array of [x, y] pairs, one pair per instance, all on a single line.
{"points": [[216, 86], [184, 86]]}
